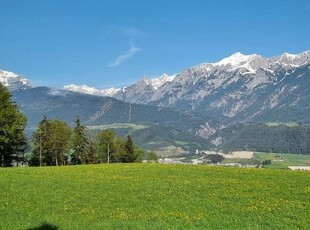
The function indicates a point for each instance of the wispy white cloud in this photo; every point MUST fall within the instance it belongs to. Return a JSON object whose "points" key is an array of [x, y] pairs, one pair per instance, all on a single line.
{"points": [[125, 56]]}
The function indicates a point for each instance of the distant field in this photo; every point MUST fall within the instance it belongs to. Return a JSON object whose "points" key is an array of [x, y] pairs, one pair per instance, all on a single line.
{"points": [[284, 160], [289, 124], [278, 160], [154, 196], [135, 127]]}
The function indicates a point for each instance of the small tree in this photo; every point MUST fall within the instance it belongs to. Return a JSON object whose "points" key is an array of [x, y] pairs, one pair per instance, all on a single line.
{"points": [[61, 135], [119, 147], [215, 158], [139, 153], [152, 157], [105, 146], [51, 141], [266, 162]]}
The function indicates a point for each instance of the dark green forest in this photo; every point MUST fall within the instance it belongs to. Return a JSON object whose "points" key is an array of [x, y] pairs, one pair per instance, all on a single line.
{"points": [[265, 138]]}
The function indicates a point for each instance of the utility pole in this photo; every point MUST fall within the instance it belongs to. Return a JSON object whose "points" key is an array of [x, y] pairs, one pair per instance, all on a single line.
{"points": [[129, 114], [108, 145]]}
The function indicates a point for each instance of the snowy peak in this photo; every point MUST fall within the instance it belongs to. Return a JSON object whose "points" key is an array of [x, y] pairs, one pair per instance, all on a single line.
{"points": [[286, 57], [157, 82], [289, 56], [294, 60], [13, 81], [163, 79], [91, 90], [215, 73], [111, 92], [82, 89], [251, 63], [236, 60]]}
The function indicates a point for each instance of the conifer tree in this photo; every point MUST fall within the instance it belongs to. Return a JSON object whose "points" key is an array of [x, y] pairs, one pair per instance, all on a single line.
{"points": [[129, 151], [80, 143], [12, 124], [91, 157]]}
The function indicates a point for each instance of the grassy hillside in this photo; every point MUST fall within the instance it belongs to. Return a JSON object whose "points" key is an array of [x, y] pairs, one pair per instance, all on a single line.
{"points": [[96, 110], [155, 137], [153, 196]]}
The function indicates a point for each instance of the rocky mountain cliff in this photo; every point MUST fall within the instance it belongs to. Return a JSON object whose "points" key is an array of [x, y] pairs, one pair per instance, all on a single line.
{"points": [[133, 93], [238, 88]]}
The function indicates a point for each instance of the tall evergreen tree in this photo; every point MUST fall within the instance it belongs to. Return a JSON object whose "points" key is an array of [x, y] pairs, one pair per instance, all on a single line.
{"points": [[12, 124], [129, 151], [91, 156], [80, 143]]}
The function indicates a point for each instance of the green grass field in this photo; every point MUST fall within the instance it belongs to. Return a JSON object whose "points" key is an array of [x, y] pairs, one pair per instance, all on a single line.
{"points": [[132, 126], [282, 161], [289, 124], [153, 196]]}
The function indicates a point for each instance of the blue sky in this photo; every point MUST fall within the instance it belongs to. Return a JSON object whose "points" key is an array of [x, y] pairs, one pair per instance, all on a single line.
{"points": [[114, 43]]}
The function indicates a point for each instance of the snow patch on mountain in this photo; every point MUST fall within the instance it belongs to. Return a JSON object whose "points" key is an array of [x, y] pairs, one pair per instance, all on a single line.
{"points": [[91, 90], [237, 60], [82, 88], [163, 79], [111, 92], [13, 81]]}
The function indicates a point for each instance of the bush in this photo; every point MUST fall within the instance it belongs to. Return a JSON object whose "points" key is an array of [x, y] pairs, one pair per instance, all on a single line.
{"points": [[215, 158], [266, 162]]}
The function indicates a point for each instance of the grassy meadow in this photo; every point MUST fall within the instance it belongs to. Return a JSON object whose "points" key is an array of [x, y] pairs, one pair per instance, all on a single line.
{"points": [[282, 161], [153, 196], [132, 126]]}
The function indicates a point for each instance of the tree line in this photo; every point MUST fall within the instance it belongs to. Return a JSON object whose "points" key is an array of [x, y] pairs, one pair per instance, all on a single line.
{"points": [[265, 138], [55, 143]]}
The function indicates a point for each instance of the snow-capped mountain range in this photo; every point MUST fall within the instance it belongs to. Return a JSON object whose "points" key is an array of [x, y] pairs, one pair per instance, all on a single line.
{"points": [[236, 89], [212, 97], [13, 81], [245, 64], [239, 86], [155, 83]]}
